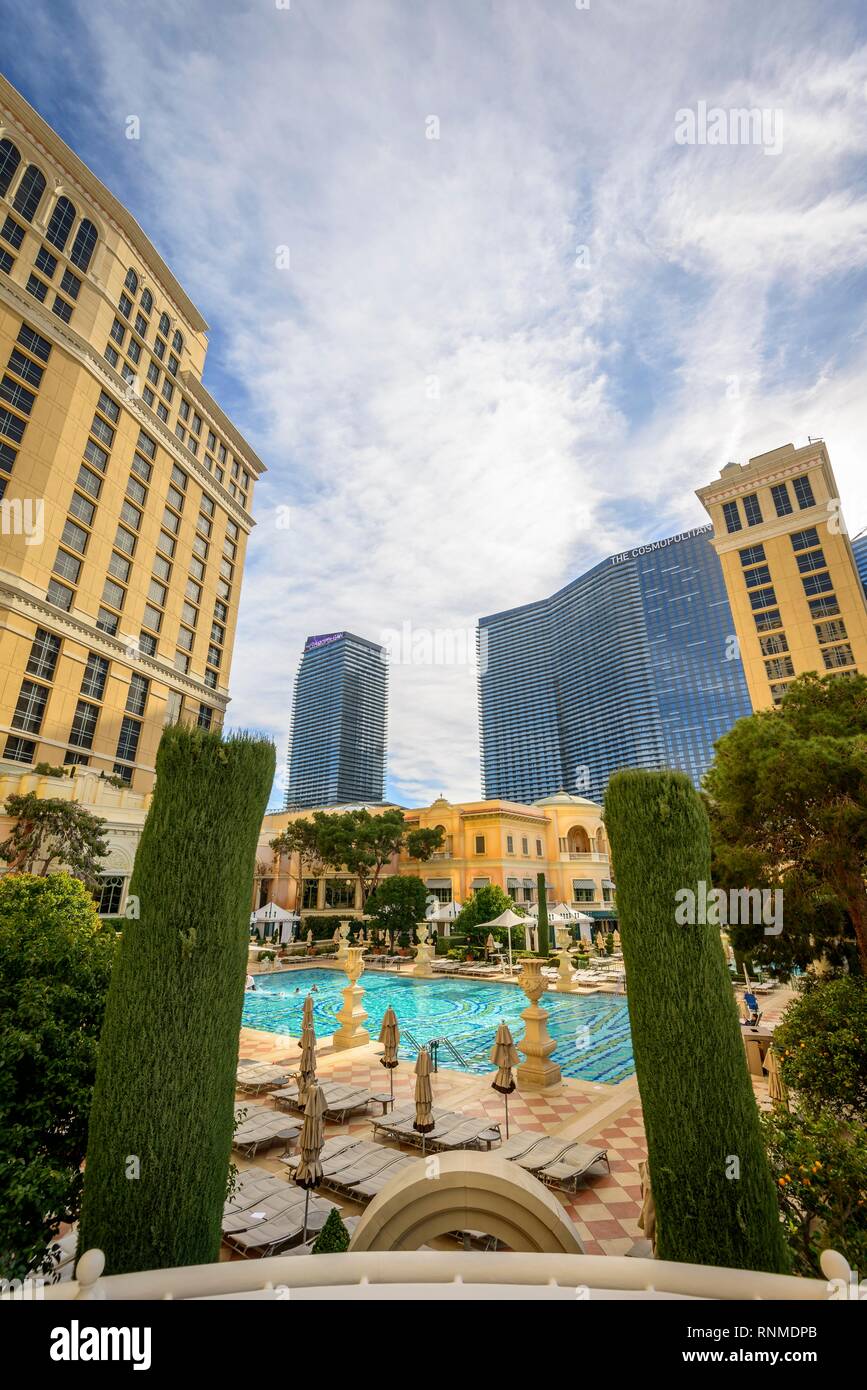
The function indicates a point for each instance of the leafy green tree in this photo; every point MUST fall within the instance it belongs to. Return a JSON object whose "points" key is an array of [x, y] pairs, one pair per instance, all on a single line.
{"points": [[55, 966], [50, 831], [358, 841], [787, 799], [820, 1171], [821, 1044], [542, 894], [163, 1109], [333, 1239], [481, 906], [712, 1185], [398, 903]]}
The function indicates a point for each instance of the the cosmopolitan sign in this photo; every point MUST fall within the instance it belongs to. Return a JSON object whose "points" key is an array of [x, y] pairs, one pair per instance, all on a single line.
{"points": [[313, 642], [660, 545]]}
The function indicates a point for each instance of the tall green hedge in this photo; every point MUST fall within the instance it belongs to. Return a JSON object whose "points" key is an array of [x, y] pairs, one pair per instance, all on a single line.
{"points": [[542, 894], [712, 1185], [161, 1125]]}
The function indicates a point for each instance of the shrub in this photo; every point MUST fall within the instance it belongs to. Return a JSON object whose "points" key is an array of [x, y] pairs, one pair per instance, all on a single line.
{"points": [[333, 1239], [821, 1044], [398, 904], [163, 1111], [55, 965], [699, 1110]]}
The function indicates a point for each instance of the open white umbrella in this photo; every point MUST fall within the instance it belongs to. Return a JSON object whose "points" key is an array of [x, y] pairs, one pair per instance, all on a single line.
{"points": [[507, 919], [504, 1056], [308, 1174]]}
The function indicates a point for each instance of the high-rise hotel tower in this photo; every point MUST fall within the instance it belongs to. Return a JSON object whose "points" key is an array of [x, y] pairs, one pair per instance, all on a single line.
{"points": [[792, 578], [126, 492], [337, 747]]}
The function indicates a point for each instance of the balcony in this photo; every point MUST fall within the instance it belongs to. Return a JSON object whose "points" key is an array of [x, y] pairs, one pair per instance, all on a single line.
{"points": [[583, 857]]}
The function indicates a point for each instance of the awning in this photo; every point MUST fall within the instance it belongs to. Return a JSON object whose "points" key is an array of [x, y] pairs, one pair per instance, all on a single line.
{"points": [[583, 883], [529, 883], [606, 883], [480, 883], [513, 882], [606, 915], [438, 883]]}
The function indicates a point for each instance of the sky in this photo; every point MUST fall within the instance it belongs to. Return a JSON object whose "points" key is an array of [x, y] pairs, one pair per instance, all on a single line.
{"points": [[480, 295]]}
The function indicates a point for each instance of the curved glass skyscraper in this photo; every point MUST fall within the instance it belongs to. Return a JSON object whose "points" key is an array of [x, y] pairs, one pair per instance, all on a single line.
{"points": [[337, 747], [634, 664]]}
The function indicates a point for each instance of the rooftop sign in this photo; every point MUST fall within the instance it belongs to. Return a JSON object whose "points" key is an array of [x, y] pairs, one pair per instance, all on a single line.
{"points": [[324, 641], [660, 545]]}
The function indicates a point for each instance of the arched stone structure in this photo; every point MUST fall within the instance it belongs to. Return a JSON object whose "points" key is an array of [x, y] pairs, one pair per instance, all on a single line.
{"points": [[578, 841], [466, 1191]]}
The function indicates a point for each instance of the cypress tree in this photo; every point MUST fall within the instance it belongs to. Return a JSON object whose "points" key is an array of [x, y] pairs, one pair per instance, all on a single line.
{"points": [[712, 1185], [542, 895], [162, 1119]]}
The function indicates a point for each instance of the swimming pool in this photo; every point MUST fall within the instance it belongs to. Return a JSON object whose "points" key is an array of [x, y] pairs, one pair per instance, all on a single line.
{"points": [[591, 1031]]}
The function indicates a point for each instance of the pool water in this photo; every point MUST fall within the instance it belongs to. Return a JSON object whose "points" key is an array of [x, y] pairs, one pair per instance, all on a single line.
{"points": [[591, 1031]]}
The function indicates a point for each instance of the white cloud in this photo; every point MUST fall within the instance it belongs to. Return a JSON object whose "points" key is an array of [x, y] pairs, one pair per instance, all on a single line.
{"points": [[446, 268]]}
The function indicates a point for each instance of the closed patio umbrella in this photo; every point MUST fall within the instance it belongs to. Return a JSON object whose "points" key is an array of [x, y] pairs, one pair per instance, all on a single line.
{"points": [[424, 1120], [490, 944], [389, 1036], [308, 1174], [307, 1065], [504, 1056]]}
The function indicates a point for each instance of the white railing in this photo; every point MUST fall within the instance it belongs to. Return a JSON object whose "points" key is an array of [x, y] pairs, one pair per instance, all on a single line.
{"points": [[350, 1275], [587, 857]]}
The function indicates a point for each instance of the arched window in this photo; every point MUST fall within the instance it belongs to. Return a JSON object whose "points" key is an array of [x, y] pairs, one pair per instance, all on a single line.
{"points": [[9, 161], [82, 247], [177, 341], [30, 191], [165, 325], [147, 301], [61, 222], [131, 281]]}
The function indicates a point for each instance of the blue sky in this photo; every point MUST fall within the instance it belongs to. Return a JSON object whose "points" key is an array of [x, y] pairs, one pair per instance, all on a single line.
{"points": [[461, 408]]}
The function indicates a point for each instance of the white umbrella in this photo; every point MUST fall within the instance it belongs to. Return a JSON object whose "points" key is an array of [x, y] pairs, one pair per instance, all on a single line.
{"points": [[445, 912], [507, 919]]}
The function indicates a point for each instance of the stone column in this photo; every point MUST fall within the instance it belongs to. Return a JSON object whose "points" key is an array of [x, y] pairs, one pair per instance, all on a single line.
{"points": [[423, 953], [537, 1072], [564, 951], [352, 1015]]}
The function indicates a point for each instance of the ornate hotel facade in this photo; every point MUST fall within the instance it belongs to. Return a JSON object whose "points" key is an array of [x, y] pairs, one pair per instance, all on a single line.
{"points": [[126, 492]]}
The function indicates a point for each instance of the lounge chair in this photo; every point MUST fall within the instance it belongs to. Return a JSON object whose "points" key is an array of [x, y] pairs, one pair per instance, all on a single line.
{"points": [[384, 1124], [261, 1131], [543, 1154], [280, 1204], [252, 1192], [330, 1149], [571, 1166], [755, 1013], [368, 1165], [518, 1144], [340, 1099], [270, 1236], [368, 1188], [471, 1134], [255, 1080]]}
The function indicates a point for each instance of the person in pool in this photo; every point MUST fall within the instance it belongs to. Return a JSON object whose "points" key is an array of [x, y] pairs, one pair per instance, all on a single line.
{"points": [[251, 983]]}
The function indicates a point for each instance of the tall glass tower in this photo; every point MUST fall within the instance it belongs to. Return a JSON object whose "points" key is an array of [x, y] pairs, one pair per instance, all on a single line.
{"points": [[337, 746], [634, 664]]}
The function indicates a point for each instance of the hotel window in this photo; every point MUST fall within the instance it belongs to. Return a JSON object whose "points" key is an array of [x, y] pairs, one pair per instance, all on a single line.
{"points": [[221, 612], [732, 516], [7, 459], [131, 515], [30, 708], [339, 892], [200, 546], [44, 653], [141, 325], [510, 845], [110, 895], [832, 631], [224, 590], [193, 591], [218, 633], [539, 849], [25, 368], [182, 662], [147, 643], [141, 467], [83, 725], [803, 540], [95, 676], [782, 500], [168, 390], [127, 744], [525, 845], [146, 445], [70, 284], [61, 309], [159, 348], [17, 395], [131, 281], [752, 510], [212, 441], [157, 592], [133, 352], [11, 426], [762, 598], [137, 696], [172, 364], [9, 161], [95, 455], [60, 224], [153, 373], [7, 262], [146, 301], [177, 341], [170, 521], [197, 569], [110, 355], [197, 424], [480, 844], [30, 191], [583, 891], [113, 593], [75, 759], [162, 568], [12, 232], [804, 492], [165, 325], [225, 569], [103, 432], [189, 614], [779, 667], [206, 715], [136, 490], [203, 524], [211, 680], [186, 639], [766, 622], [184, 409], [166, 543], [124, 305], [752, 555], [152, 617], [107, 622], [179, 477], [33, 342], [817, 584], [125, 541], [837, 656], [774, 646], [45, 263], [118, 332], [59, 595], [19, 750], [83, 246], [162, 412], [309, 892], [761, 575], [67, 566], [811, 560], [37, 288], [80, 507]]}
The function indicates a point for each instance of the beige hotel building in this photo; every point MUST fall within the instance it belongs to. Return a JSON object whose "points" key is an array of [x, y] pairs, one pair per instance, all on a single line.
{"points": [[126, 492]]}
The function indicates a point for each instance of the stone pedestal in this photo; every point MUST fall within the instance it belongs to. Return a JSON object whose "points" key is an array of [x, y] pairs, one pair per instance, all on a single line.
{"points": [[423, 953], [565, 948], [343, 947], [352, 1015], [537, 1071]]}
